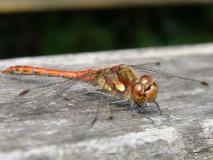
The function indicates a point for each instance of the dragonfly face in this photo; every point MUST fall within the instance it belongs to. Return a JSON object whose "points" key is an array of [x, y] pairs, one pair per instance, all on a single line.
{"points": [[144, 90]]}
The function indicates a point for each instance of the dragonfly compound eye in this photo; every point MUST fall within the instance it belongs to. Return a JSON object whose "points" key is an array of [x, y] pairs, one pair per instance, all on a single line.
{"points": [[147, 79], [150, 88], [138, 93]]}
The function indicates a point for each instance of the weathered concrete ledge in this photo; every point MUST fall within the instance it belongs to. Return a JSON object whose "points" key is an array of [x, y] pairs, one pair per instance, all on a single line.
{"points": [[61, 129]]}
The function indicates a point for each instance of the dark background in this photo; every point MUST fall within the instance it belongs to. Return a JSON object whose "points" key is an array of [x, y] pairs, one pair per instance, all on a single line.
{"points": [[59, 32]]}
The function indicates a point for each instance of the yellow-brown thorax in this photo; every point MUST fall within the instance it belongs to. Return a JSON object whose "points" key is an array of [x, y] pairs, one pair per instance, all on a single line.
{"points": [[122, 80]]}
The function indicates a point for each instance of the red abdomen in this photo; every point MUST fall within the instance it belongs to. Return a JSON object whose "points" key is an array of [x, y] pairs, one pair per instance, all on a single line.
{"points": [[30, 70]]}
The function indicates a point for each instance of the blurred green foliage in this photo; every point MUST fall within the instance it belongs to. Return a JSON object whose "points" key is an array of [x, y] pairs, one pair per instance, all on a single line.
{"points": [[32, 34]]}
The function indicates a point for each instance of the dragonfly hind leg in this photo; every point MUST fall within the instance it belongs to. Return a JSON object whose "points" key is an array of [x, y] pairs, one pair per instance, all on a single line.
{"points": [[114, 102], [96, 115]]}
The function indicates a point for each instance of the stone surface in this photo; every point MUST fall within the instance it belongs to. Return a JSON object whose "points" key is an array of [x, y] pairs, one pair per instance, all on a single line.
{"points": [[33, 128]]}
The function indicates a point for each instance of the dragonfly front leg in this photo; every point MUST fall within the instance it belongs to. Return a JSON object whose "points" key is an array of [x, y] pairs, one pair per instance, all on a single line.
{"points": [[158, 107]]}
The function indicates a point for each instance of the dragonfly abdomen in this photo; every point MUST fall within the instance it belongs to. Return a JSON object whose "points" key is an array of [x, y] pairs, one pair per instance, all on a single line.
{"points": [[30, 70]]}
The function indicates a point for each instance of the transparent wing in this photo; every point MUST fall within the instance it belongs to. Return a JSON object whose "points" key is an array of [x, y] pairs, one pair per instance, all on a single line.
{"points": [[55, 89], [160, 75], [60, 96]]}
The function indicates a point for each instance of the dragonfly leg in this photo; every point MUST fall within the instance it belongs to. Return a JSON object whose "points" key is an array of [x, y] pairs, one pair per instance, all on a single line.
{"points": [[141, 114], [114, 102], [100, 93], [95, 118], [109, 112], [140, 108], [157, 105]]}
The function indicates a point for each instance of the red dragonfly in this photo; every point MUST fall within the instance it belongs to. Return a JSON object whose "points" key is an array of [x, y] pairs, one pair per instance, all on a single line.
{"points": [[119, 81]]}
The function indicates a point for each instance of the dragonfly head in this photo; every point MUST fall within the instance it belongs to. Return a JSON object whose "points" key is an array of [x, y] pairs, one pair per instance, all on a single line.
{"points": [[144, 90]]}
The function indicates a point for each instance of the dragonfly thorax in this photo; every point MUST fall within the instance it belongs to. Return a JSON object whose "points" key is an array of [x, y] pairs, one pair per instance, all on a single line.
{"points": [[144, 90]]}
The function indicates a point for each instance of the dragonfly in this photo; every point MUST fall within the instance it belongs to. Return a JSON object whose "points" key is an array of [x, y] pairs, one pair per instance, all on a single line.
{"points": [[121, 81]]}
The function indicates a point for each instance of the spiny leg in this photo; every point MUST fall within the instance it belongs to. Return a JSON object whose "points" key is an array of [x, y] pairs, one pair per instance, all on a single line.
{"points": [[96, 114], [160, 109], [140, 108], [115, 102], [141, 114]]}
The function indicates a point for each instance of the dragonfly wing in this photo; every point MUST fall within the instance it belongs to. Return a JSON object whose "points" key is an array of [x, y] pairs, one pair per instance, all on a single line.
{"points": [[151, 64], [152, 70], [162, 76], [51, 97], [40, 96]]}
